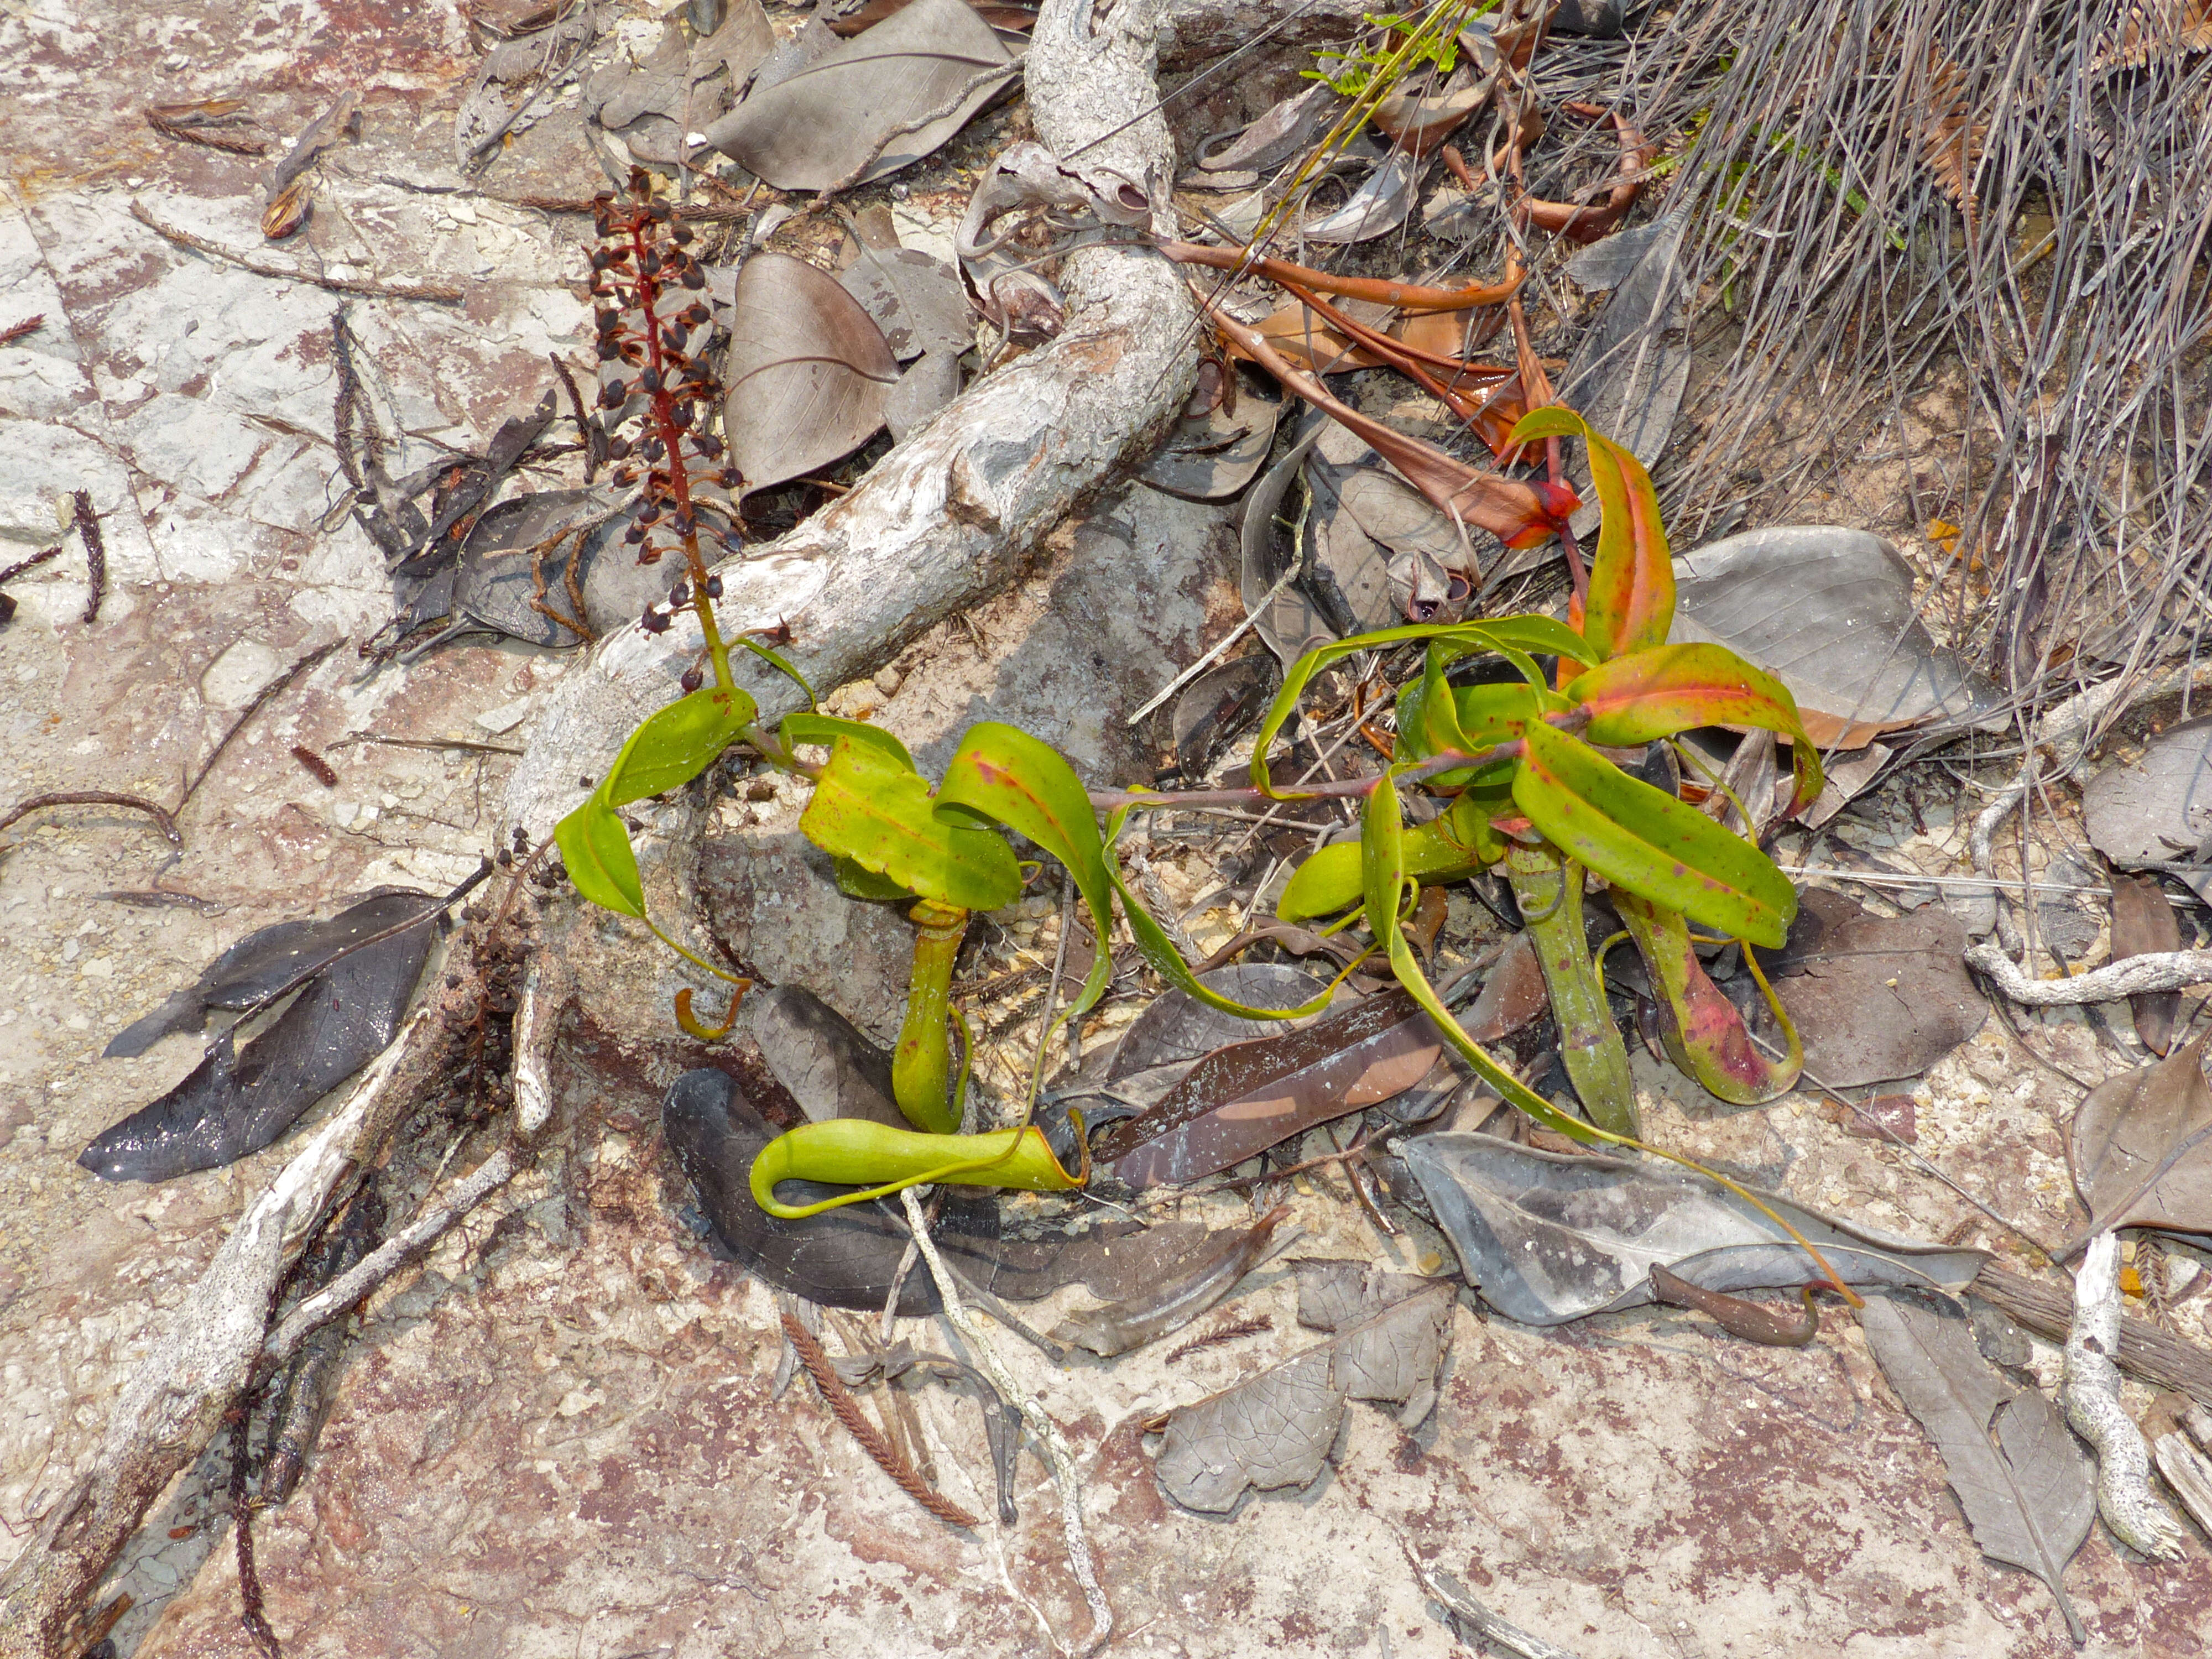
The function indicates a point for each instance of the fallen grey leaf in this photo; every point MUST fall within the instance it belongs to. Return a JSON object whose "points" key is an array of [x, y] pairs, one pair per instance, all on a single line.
{"points": [[1630, 370], [1274, 138], [1874, 997], [2144, 924], [822, 125], [808, 373], [1378, 207], [1830, 611], [2140, 1146], [1213, 458], [1545, 1239], [1276, 1429], [827, 1063], [2158, 808], [1288, 620], [2028, 1497], [514, 81], [234, 1102]]}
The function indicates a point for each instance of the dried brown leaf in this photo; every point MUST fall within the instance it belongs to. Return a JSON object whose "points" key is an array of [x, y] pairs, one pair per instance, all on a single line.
{"points": [[809, 374], [2028, 1497], [2142, 1146], [2144, 924]]}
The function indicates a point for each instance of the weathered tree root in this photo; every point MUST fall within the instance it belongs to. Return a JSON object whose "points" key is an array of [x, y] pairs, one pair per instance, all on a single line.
{"points": [[176, 1401], [2091, 1395]]}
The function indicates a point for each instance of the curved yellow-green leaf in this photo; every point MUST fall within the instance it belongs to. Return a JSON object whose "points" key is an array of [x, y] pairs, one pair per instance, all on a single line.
{"points": [[674, 745], [1449, 848], [870, 809], [1656, 693], [802, 726], [1630, 604], [594, 844], [1515, 638], [1645, 841], [883, 1160]]}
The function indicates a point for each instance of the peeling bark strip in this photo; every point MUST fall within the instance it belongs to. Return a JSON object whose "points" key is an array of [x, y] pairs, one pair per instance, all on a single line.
{"points": [[949, 517]]}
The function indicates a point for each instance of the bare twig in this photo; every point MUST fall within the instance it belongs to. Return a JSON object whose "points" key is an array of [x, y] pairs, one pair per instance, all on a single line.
{"points": [[251, 710], [163, 820], [2162, 970], [1041, 1423], [341, 1293], [437, 293], [847, 1411], [2145, 1351]]}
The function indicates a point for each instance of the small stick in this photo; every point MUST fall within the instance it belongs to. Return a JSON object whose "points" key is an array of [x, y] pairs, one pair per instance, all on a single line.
{"points": [[31, 563], [253, 709], [2145, 1352], [163, 820], [1041, 1424], [95, 553], [1213, 653], [847, 1410], [467, 743], [213, 137], [437, 293], [339, 1295], [241, 1525]]}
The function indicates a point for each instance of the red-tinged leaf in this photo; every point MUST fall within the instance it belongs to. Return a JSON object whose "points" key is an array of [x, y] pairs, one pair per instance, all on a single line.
{"points": [[1519, 513], [1656, 693], [1704, 1033], [1632, 581], [1643, 840], [878, 814]]}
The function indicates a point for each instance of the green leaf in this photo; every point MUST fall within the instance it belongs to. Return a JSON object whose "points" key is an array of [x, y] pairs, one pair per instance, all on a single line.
{"points": [[1449, 847], [853, 882], [869, 808], [1704, 1033], [1631, 580], [594, 844], [1645, 841], [1003, 775], [674, 745], [1549, 891], [826, 729], [1512, 637], [1382, 838], [1656, 693]]}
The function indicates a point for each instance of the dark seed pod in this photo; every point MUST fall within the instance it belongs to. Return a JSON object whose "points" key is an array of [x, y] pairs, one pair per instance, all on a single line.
{"points": [[618, 449], [649, 381], [606, 321], [654, 622], [659, 212], [680, 594], [682, 235], [680, 416], [698, 316], [609, 349], [713, 587], [613, 395], [651, 555], [635, 534], [695, 277], [649, 266], [692, 680], [707, 444], [521, 839], [655, 450], [506, 857]]}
